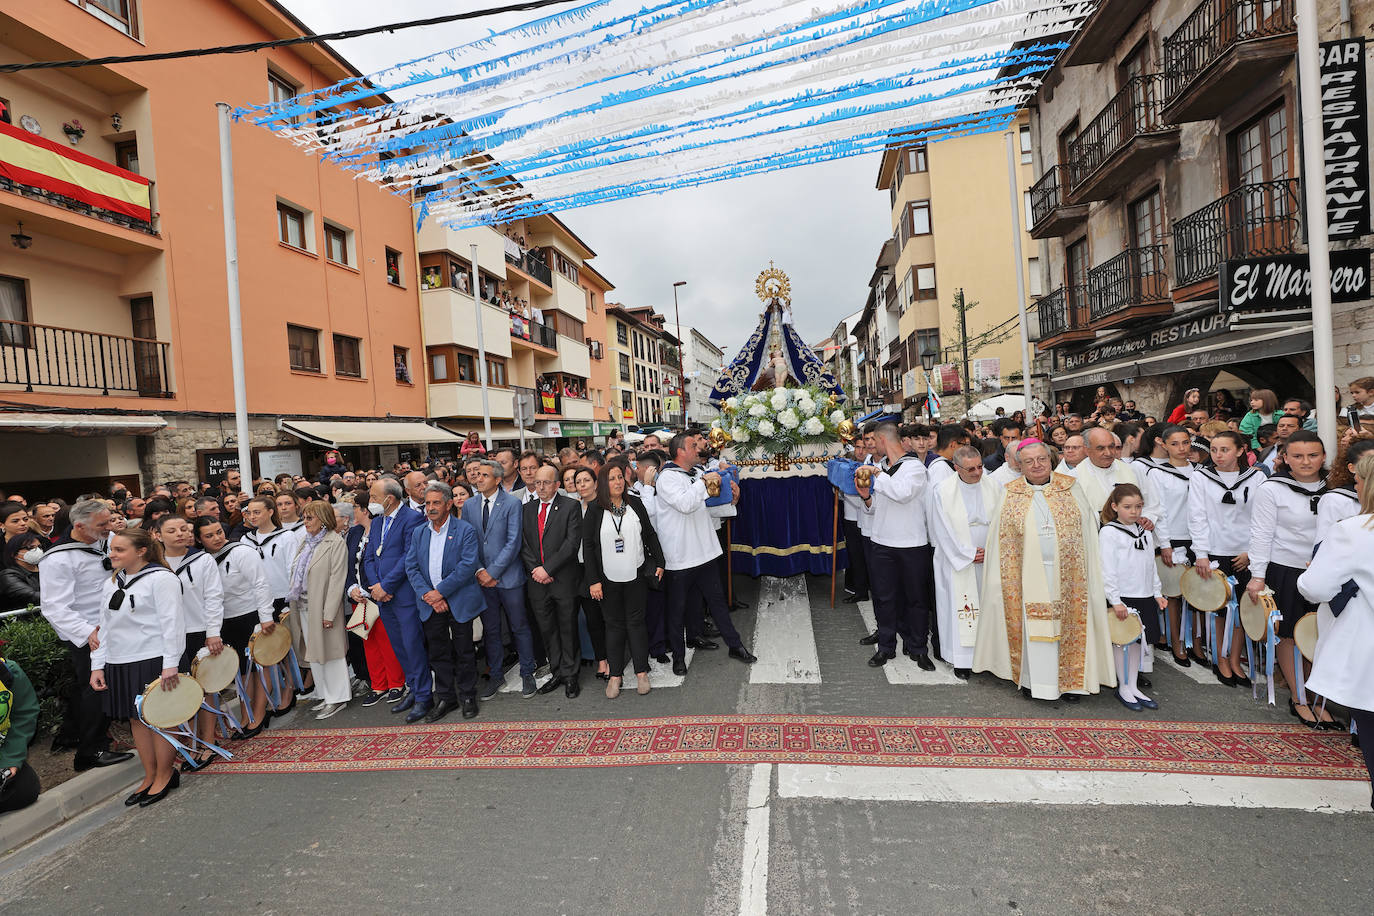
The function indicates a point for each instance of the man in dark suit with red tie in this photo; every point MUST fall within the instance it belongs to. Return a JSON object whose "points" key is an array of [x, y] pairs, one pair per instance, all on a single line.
{"points": [[551, 531]]}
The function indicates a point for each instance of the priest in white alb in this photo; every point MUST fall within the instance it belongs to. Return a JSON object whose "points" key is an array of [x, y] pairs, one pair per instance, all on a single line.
{"points": [[1043, 620], [1101, 471], [960, 508]]}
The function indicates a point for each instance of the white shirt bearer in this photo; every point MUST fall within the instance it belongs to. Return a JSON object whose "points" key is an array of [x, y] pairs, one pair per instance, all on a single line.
{"points": [[1219, 511], [899, 515], [244, 580], [148, 623], [202, 596]]}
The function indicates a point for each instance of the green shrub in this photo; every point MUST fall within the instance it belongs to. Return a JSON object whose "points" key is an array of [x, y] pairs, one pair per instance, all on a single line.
{"points": [[36, 647]]}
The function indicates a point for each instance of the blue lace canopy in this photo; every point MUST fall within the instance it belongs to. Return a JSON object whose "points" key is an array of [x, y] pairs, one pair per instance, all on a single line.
{"points": [[752, 361]]}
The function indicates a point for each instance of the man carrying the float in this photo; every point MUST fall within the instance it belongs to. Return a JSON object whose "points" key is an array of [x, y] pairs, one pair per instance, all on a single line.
{"points": [[960, 509], [1042, 624]]}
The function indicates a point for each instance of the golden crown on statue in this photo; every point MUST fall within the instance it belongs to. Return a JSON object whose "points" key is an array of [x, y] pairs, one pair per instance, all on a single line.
{"points": [[772, 284]]}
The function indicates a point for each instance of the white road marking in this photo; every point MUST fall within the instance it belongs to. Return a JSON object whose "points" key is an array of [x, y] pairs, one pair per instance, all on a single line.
{"points": [[659, 676], [784, 635], [753, 888], [1062, 787], [902, 670]]}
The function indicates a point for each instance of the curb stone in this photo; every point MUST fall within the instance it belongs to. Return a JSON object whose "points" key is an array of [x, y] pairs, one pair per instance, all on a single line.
{"points": [[64, 802]]}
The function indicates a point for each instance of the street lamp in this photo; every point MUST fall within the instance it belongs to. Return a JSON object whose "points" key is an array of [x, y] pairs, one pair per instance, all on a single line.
{"points": [[928, 356], [681, 376]]}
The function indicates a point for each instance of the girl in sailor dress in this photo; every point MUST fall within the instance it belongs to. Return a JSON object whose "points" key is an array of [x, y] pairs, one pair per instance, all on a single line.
{"points": [[1171, 479], [1132, 584], [1220, 500], [277, 547], [1340, 500], [247, 600], [1282, 535], [142, 635]]}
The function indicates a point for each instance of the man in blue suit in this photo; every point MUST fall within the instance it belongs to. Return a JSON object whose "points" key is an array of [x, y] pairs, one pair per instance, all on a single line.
{"points": [[384, 579], [495, 513], [441, 562]]}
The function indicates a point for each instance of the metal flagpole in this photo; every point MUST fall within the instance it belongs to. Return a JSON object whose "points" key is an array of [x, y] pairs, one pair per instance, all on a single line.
{"points": [[1019, 266], [231, 269], [481, 348], [1318, 244]]}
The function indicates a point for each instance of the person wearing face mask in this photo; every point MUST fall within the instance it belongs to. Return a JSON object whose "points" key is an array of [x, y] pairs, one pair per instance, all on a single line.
{"points": [[383, 578], [19, 576], [385, 679]]}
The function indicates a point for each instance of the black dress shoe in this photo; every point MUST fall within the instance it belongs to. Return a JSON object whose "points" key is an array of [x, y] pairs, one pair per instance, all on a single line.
{"points": [[417, 712], [1144, 681], [1242, 680], [710, 629], [469, 705], [744, 655], [880, 658], [1072, 697], [441, 709], [550, 686], [285, 709], [406, 703], [870, 640], [854, 599], [244, 734], [698, 643], [572, 688], [963, 674], [679, 667], [199, 764], [135, 798], [662, 658], [739, 605], [924, 663], [101, 759], [1182, 661], [152, 799]]}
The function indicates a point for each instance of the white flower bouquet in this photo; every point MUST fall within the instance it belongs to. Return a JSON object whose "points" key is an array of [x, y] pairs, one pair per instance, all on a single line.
{"points": [[778, 421]]}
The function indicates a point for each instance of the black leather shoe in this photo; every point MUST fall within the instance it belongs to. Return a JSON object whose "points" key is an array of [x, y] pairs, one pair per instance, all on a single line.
{"points": [[870, 640], [405, 704], [699, 643], [1144, 681], [151, 799], [188, 767], [417, 712], [101, 759], [469, 705], [1072, 698], [679, 667], [1182, 661], [710, 629], [879, 659], [924, 663], [739, 605], [550, 686], [854, 599], [963, 674], [135, 798], [441, 709], [744, 655], [662, 659], [572, 688]]}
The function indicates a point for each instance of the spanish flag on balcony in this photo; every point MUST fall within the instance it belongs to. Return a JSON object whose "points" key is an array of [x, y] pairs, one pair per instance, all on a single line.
{"points": [[27, 159]]}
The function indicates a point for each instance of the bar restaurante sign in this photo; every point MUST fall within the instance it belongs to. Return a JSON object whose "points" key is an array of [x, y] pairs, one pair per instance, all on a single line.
{"points": [[1166, 335], [1345, 137], [1284, 282]]}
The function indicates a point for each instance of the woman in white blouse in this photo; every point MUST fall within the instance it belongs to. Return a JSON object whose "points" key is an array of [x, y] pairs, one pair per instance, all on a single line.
{"points": [[621, 553], [1341, 670]]}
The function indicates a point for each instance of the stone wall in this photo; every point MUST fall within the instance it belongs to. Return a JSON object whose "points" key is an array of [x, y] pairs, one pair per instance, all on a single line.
{"points": [[170, 454]]}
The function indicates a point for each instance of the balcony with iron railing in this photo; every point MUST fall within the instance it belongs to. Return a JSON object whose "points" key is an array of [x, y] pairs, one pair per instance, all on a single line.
{"points": [[1063, 317], [1125, 137], [1131, 286], [1221, 51], [528, 331], [1051, 214], [1254, 220], [40, 356]]}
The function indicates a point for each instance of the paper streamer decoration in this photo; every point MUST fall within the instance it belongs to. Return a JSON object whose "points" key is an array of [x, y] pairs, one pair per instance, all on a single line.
{"points": [[620, 98]]}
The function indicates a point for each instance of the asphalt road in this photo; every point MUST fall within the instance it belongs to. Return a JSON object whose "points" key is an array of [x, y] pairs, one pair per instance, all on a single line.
{"points": [[695, 839]]}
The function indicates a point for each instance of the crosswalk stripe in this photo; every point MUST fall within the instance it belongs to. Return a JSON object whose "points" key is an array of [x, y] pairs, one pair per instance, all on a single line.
{"points": [[1061, 787], [902, 670], [784, 635]]}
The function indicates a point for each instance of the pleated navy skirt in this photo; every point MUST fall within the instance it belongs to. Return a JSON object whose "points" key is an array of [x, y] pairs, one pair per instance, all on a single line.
{"points": [[125, 681]]}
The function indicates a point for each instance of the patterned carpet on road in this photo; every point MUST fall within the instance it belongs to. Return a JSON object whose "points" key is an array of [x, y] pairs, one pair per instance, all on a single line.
{"points": [[1227, 749]]}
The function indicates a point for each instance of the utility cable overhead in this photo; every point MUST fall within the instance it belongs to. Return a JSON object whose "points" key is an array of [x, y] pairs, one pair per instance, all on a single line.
{"points": [[281, 42]]}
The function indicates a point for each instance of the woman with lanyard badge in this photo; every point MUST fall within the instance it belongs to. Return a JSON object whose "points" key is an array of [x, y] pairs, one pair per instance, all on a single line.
{"points": [[1171, 479], [1282, 535], [277, 547], [142, 634], [1220, 499], [584, 480], [247, 603], [202, 602]]}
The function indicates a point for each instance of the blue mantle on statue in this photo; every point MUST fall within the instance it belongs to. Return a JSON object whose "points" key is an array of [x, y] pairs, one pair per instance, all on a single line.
{"points": [[784, 527]]}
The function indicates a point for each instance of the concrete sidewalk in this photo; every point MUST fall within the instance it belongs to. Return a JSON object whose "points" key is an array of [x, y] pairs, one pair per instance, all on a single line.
{"points": [[62, 803]]}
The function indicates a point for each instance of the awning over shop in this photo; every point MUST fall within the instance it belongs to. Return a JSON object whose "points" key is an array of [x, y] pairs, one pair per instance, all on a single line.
{"points": [[339, 433], [81, 424], [498, 431], [1216, 352]]}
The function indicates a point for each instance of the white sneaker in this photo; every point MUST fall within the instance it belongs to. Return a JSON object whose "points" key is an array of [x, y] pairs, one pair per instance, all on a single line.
{"points": [[329, 709]]}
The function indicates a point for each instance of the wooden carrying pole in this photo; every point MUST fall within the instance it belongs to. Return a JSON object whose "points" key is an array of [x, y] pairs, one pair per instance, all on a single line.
{"points": [[729, 567], [834, 541]]}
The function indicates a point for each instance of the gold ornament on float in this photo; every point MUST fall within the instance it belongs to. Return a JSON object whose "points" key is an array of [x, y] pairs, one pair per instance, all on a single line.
{"points": [[846, 430], [772, 284], [717, 437]]}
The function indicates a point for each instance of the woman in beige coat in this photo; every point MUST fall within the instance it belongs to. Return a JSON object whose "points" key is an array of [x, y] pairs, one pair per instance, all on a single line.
{"points": [[318, 612]]}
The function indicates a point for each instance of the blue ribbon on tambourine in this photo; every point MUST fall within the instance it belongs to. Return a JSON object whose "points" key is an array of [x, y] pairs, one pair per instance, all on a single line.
{"points": [[840, 472], [728, 475]]}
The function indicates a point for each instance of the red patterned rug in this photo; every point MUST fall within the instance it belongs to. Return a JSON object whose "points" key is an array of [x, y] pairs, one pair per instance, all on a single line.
{"points": [[1209, 748]]}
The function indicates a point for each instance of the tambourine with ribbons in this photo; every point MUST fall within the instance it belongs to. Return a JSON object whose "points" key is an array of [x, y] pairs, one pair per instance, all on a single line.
{"points": [[1260, 618], [171, 713]]}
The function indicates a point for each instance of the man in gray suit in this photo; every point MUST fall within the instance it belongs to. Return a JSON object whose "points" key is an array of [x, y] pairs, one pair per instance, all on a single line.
{"points": [[495, 513]]}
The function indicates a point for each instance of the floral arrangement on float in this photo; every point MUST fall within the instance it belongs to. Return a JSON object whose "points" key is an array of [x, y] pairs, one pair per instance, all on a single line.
{"points": [[780, 421]]}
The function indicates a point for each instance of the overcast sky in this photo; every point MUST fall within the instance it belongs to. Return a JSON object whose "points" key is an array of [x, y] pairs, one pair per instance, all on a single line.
{"points": [[821, 224]]}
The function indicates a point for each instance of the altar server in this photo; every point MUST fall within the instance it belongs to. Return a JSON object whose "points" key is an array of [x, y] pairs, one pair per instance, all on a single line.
{"points": [[1283, 532], [1132, 584], [1341, 671], [903, 561], [1170, 478], [1220, 501], [142, 636], [202, 602], [960, 510]]}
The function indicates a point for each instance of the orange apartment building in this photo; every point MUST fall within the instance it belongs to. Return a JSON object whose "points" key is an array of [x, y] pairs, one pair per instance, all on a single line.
{"points": [[114, 347]]}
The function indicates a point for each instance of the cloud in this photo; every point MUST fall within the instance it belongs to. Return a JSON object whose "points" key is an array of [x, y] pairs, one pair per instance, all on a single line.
{"points": [[822, 224]]}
